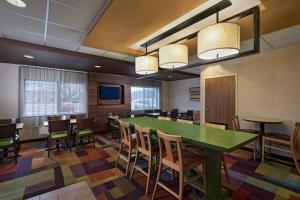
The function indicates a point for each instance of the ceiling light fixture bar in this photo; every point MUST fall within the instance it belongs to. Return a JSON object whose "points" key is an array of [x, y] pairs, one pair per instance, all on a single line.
{"points": [[206, 13], [255, 11], [46, 21]]}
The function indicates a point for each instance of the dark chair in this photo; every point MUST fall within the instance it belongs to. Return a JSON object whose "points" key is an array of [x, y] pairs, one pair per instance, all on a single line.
{"points": [[54, 118], [190, 115], [85, 130], [164, 114], [79, 116], [8, 140], [59, 131], [174, 114]]}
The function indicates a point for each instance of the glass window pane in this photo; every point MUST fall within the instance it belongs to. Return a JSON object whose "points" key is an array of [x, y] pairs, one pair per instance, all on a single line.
{"points": [[143, 98]]}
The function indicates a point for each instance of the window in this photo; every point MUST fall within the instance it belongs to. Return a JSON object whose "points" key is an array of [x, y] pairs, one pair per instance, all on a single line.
{"points": [[53, 98], [145, 98]]}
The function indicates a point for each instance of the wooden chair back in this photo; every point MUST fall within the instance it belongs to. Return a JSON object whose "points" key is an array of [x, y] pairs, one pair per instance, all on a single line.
{"points": [[196, 117], [211, 125], [174, 113], [294, 140], [54, 118], [80, 116], [59, 125], [125, 132], [9, 121], [169, 150], [190, 115], [183, 121], [235, 123], [144, 144], [8, 131], [86, 123], [164, 118]]}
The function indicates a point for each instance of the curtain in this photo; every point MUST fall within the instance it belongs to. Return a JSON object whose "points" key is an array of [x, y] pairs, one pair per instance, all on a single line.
{"points": [[45, 91], [145, 98]]}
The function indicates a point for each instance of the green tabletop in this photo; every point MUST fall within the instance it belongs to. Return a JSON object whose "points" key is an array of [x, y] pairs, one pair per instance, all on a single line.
{"points": [[212, 138]]}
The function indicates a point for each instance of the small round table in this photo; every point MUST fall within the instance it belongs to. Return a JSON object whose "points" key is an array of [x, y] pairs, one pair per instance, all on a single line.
{"points": [[262, 121]]}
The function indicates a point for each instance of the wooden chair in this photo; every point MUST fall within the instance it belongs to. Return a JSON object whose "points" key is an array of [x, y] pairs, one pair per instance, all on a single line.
{"points": [[85, 130], [236, 127], [145, 147], [8, 140], [54, 118], [59, 131], [292, 142], [190, 115], [127, 142], [174, 114], [183, 121], [164, 118], [173, 157], [196, 117]]}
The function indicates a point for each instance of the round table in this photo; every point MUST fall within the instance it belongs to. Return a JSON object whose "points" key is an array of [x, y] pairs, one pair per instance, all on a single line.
{"points": [[262, 121]]}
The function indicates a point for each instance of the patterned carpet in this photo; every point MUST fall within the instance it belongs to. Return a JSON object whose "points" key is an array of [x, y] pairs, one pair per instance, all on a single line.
{"points": [[36, 174]]}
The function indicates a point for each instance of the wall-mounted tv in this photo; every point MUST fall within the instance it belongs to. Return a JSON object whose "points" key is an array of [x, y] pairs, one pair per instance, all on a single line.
{"points": [[109, 92]]}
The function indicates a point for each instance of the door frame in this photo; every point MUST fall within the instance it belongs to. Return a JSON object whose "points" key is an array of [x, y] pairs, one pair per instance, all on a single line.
{"points": [[236, 91]]}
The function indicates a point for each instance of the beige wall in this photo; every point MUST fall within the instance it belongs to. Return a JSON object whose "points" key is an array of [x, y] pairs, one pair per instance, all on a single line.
{"points": [[9, 91], [268, 85]]}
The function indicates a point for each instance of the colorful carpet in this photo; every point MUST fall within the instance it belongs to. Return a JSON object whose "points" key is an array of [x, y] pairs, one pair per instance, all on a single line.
{"points": [[36, 174]]}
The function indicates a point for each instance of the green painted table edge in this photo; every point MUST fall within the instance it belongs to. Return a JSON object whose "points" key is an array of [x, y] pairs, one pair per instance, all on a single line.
{"points": [[194, 129]]}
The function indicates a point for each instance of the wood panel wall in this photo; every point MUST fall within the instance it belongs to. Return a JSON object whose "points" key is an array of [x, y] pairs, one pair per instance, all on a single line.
{"points": [[100, 112]]}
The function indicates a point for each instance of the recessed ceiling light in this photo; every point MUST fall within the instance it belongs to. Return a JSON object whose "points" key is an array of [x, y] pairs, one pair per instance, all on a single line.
{"points": [[28, 56], [170, 76], [97, 66], [17, 3]]}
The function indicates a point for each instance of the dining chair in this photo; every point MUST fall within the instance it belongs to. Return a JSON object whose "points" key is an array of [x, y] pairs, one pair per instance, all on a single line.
{"points": [[236, 127], [183, 121], [164, 118], [190, 115], [127, 143], [54, 118], [196, 117], [9, 140], [172, 156], [174, 113], [283, 140], [85, 130], [59, 132], [144, 148]]}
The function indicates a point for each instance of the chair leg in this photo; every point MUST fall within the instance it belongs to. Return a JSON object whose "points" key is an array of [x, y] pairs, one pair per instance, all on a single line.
{"points": [[118, 157], [263, 150], [93, 136], [76, 142], [225, 168], [16, 154], [181, 184], [254, 150], [148, 174], [157, 179], [129, 158], [296, 162], [49, 148], [134, 163]]}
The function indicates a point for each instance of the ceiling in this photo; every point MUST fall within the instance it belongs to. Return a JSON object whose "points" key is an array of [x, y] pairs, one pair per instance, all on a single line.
{"points": [[103, 32]]}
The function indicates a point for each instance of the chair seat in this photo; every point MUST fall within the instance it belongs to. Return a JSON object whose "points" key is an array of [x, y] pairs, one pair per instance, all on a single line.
{"points": [[115, 126], [59, 135], [85, 132], [250, 131], [6, 142], [279, 136]]}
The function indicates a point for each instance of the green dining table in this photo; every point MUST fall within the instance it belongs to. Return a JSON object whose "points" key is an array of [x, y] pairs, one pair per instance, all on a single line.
{"points": [[214, 141]]}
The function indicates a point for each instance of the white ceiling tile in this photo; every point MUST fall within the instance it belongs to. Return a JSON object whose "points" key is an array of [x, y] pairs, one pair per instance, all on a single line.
{"points": [[15, 22], [35, 8], [92, 51], [63, 33], [114, 55], [67, 16], [129, 59], [286, 41], [25, 36], [61, 44], [91, 7]]}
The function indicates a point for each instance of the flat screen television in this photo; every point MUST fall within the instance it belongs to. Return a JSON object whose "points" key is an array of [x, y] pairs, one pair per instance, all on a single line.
{"points": [[109, 92]]}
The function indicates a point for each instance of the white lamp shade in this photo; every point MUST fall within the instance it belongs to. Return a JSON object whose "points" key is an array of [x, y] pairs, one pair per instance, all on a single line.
{"points": [[218, 40], [146, 65], [173, 56]]}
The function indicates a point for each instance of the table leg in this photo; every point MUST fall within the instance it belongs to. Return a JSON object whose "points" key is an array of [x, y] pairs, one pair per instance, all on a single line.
{"points": [[262, 132], [213, 175]]}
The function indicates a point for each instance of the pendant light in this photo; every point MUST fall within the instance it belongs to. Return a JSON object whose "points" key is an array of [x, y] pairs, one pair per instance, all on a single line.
{"points": [[173, 56], [218, 40], [146, 64]]}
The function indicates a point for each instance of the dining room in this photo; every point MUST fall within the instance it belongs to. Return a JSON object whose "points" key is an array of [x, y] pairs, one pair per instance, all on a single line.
{"points": [[173, 99]]}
